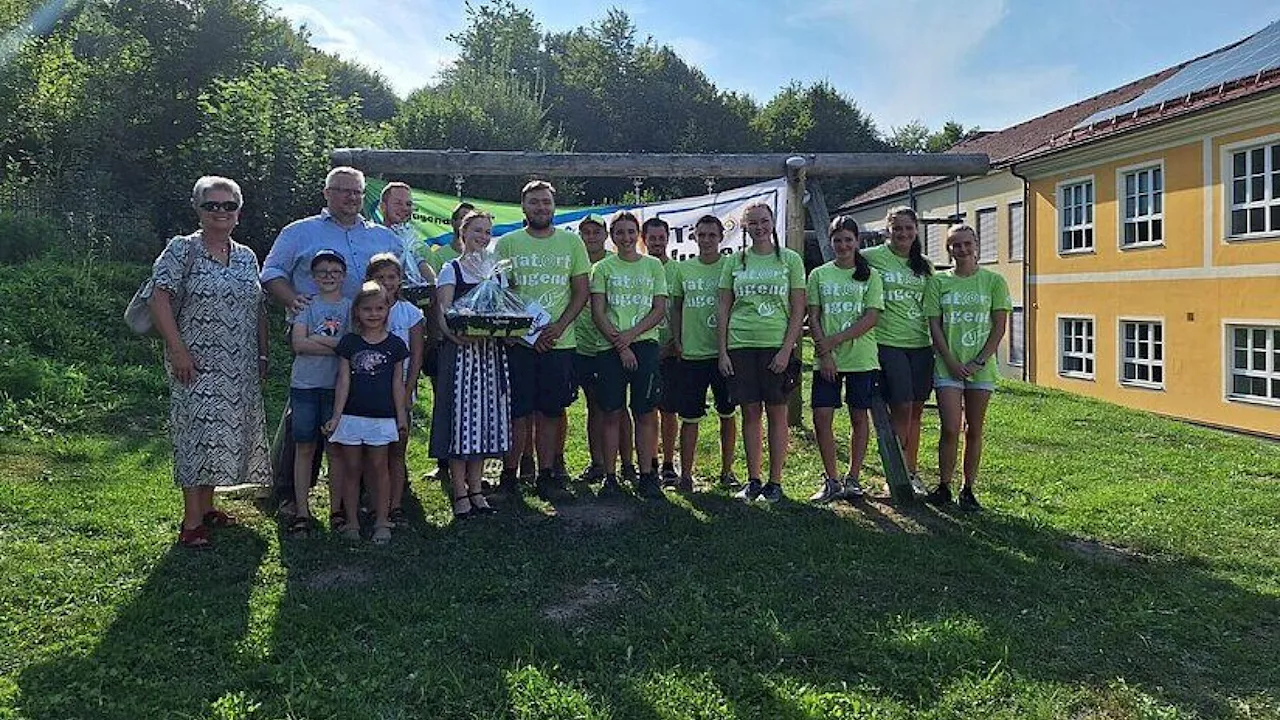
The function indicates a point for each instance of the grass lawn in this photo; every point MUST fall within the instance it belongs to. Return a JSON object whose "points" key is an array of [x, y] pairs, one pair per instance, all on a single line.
{"points": [[1126, 567]]}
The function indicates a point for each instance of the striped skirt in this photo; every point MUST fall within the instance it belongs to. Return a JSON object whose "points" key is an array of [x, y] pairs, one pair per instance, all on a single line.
{"points": [[471, 417]]}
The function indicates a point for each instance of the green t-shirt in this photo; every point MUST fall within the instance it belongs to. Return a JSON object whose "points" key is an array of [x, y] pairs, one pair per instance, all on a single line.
{"points": [[843, 301], [902, 323], [439, 255], [542, 270], [761, 296], [965, 305], [664, 327], [629, 287], [590, 340], [698, 284]]}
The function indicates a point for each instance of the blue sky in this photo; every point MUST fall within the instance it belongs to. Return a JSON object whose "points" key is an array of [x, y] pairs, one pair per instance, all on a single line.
{"points": [[990, 63]]}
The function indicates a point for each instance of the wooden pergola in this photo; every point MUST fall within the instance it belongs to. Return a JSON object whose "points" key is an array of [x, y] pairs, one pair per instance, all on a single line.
{"points": [[796, 167]]}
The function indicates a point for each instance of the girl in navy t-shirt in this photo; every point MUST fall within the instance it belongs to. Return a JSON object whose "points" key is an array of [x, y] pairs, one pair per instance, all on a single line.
{"points": [[369, 407]]}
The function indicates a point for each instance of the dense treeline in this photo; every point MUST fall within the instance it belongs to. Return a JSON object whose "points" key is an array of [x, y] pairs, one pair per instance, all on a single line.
{"points": [[113, 107]]}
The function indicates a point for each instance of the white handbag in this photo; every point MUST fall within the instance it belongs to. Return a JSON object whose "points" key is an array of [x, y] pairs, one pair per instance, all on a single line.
{"points": [[137, 314]]}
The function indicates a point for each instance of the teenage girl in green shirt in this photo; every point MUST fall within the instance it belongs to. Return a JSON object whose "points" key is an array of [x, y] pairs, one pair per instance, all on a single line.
{"points": [[967, 308], [759, 318]]}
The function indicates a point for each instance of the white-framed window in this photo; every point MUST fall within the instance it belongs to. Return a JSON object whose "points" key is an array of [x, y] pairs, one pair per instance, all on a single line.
{"points": [[1253, 371], [1142, 353], [1017, 232], [936, 242], [1017, 337], [1255, 190], [1075, 216], [988, 236], [1142, 206], [1075, 347]]}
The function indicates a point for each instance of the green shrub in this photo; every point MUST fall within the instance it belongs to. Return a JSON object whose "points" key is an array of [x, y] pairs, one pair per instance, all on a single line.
{"points": [[26, 238]]}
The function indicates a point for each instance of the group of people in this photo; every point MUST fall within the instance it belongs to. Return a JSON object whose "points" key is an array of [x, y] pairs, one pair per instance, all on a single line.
{"points": [[643, 337]]}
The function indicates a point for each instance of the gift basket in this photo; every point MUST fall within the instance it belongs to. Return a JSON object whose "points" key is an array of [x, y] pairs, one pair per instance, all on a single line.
{"points": [[415, 288], [488, 309]]}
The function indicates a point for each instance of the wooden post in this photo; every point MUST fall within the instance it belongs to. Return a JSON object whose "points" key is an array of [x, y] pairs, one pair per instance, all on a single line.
{"points": [[796, 171]]}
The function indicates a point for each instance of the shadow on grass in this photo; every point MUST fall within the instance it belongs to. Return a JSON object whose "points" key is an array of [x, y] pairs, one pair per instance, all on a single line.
{"points": [[697, 607]]}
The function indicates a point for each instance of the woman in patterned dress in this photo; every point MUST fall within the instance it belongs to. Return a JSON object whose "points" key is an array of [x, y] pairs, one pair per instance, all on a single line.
{"points": [[206, 304], [472, 412]]}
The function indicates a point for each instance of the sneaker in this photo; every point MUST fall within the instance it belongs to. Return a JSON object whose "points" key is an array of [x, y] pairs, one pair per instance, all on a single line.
{"points": [[508, 483], [751, 491], [728, 480], [852, 488], [684, 484], [771, 493], [647, 486], [558, 469], [611, 486], [669, 475], [527, 467], [593, 473], [381, 534], [918, 486], [940, 496], [550, 486], [968, 502], [629, 474], [830, 490]]}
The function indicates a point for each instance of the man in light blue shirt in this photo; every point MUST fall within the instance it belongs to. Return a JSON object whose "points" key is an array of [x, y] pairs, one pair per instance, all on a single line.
{"points": [[286, 273]]}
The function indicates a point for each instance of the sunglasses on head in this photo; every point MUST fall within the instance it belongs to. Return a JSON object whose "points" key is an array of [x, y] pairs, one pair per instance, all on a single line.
{"points": [[225, 206]]}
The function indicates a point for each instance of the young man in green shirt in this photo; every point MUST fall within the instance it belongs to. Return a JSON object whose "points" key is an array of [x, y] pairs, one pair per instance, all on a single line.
{"points": [[549, 268], [695, 290], [656, 234]]}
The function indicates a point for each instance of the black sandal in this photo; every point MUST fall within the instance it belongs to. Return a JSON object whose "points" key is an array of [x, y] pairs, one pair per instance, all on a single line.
{"points": [[485, 509], [463, 514], [337, 521], [301, 525]]}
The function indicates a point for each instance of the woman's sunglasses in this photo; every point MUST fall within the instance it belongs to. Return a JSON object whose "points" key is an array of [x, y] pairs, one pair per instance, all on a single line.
{"points": [[225, 206]]}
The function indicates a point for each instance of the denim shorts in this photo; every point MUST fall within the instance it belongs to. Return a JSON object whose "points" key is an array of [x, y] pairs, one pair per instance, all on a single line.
{"points": [[311, 408]]}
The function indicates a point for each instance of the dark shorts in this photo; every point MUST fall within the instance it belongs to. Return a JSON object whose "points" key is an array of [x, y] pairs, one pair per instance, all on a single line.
{"points": [[312, 407], [540, 382], [859, 389], [906, 374], [669, 385], [584, 372], [753, 381], [695, 376], [642, 383]]}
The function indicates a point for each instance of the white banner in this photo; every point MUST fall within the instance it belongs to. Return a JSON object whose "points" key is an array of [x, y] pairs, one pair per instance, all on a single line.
{"points": [[683, 214]]}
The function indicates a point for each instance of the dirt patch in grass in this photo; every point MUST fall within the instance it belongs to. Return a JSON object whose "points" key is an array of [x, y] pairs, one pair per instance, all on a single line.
{"points": [[1104, 552], [581, 601], [337, 578], [583, 516]]}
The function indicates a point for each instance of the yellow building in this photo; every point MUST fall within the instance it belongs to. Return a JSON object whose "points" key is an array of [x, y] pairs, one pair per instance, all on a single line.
{"points": [[993, 203], [1153, 245]]}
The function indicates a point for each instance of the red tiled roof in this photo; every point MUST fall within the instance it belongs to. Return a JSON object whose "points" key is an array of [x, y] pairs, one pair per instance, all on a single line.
{"points": [[1005, 145]]}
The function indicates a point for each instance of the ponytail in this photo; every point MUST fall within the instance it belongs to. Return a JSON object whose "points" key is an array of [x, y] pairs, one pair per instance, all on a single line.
{"points": [[846, 223], [916, 260]]}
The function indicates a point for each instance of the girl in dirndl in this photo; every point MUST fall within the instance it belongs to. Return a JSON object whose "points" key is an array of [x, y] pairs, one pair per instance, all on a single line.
{"points": [[471, 419]]}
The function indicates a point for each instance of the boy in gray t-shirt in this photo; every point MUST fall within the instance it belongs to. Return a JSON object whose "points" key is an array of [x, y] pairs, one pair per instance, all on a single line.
{"points": [[315, 333]]}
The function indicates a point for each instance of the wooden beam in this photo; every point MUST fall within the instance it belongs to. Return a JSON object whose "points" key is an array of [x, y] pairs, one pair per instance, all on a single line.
{"points": [[660, 165], [797, 171]]}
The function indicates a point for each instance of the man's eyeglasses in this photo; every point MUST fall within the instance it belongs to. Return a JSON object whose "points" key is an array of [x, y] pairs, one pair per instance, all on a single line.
{"points": [[328, 273], [225, 206]]}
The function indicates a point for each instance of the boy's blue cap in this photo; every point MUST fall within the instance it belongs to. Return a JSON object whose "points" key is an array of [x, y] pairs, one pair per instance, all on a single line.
{"points": [[331, 256]]}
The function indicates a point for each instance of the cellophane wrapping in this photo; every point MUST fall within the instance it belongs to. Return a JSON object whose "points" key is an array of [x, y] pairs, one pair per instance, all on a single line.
{"points": [[488, 309]]}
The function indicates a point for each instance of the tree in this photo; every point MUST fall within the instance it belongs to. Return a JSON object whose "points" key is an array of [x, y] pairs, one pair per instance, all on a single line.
{"points": [[915, 137]]}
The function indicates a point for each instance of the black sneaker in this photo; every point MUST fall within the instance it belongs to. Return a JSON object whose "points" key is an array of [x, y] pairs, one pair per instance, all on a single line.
{"points": [[751, 491], [508, 483], [684, 484], [593, 473], [968, 502], [559, 470], [852, 488], [728, 481], [611, 486], [647, 486], [940, 496], [669, 475], [830, 490], [918, 486], [771, 493], [550, 487], [629, 474]]}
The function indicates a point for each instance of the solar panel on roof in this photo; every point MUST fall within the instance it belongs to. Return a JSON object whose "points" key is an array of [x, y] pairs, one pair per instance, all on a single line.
{"points": [[1257, 53]]}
